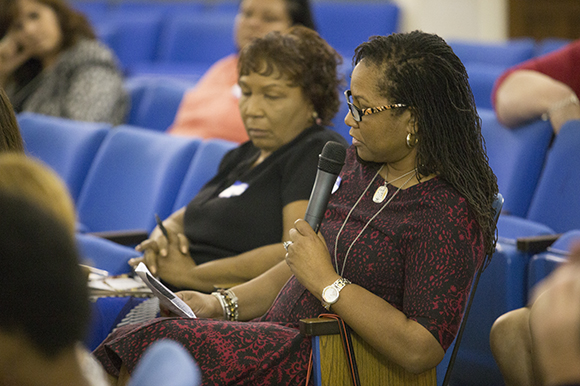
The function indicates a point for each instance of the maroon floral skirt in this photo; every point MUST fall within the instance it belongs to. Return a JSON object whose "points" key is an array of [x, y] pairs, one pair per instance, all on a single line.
{"points": [[228, 353]]}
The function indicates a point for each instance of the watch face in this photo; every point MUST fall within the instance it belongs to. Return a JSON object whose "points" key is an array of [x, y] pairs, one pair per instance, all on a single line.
{"points": [[330, 294]]}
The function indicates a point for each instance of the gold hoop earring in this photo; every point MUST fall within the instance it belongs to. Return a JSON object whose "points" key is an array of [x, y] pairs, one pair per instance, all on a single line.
{"points": [[411, 140]]}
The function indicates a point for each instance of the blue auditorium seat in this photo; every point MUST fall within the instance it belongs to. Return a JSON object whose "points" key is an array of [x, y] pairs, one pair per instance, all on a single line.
{"points": [[162, 8], [166, 363], [482, 77], [201, 38], [188, 73], [105, 254], [555, 208], [347, 24], [67, 146], [555, 202], [505, 54], [135, 174], [516, 156], [542, 264], [550, 45], [95, 10], [203, 167], [132, 35], [154, 101]]}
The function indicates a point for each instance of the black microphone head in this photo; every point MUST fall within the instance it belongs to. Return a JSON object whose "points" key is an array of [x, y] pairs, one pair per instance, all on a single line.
{"points": [[332, 157]]}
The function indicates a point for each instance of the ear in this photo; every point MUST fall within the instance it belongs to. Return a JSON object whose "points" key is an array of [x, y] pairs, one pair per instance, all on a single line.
{"points": [[412, 123]]}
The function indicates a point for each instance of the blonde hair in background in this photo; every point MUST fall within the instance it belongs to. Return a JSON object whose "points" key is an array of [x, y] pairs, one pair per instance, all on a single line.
{"points": [[31, 179]]}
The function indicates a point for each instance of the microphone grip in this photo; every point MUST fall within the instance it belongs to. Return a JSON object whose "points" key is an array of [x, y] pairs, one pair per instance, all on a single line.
{"points": [[319, 198]]}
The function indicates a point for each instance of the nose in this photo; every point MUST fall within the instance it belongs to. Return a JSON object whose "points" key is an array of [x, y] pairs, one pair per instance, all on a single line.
{"points": [[251, 106], [349, 120]]}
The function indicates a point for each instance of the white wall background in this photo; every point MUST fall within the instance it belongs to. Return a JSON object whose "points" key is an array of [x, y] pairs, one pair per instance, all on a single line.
{"points": [[472, 20]]}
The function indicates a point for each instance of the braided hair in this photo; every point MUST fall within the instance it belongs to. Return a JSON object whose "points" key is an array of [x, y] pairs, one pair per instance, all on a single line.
{"points": [[422, 71]]}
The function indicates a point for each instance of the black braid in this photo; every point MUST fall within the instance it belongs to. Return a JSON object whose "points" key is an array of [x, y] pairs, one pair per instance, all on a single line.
{"points": [[422, 71]]}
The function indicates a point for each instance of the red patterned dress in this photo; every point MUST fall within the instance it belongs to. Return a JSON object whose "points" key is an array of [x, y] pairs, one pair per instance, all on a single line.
{"points": [[419, 254]]}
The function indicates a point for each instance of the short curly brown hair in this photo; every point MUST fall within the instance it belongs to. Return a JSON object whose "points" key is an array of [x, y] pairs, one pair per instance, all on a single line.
{"points": [[303, 57]]}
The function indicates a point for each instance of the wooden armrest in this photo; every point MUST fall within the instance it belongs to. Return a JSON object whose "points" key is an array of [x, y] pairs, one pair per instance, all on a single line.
{"points": [[124, 237], [373, 368], [536, 244], [319, 326]]}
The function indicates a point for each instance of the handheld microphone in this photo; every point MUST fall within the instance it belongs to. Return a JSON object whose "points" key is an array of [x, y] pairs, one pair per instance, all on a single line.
{"points": [[330, 162]]}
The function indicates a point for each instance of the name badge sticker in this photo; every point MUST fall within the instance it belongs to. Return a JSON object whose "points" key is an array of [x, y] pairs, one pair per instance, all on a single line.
{"points": [[234, 190]]}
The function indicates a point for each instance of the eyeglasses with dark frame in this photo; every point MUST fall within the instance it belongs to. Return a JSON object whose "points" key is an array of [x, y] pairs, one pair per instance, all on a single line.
{"points": [[357, 113]]}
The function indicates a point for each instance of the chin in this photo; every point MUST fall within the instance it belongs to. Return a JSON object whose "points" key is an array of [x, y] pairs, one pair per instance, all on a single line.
{"points": [[366, 162]]}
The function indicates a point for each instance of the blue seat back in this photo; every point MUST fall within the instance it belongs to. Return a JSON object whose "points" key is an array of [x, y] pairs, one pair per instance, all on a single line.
{"points": [[202, 38], [549, 45], [133, 36], [135, 174], [446, 366], [516, 156], [347, 24], [188, 73], [502, 288], [95, 10], [163, 8], [67, 146], [556, 202], [154, 101], [105, 254], [166, 363], [203, 167], [505, 54], [482, 77]]}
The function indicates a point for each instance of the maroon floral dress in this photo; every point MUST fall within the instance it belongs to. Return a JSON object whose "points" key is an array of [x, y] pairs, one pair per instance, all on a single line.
{"points": [[419, 254]]}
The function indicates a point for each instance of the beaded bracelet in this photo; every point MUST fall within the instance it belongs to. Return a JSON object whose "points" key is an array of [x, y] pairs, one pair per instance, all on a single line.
{"points": [[222, 301], [572, 99], [229, 302]]}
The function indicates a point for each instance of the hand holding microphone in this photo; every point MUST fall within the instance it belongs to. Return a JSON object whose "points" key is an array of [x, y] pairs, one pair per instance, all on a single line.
{"points": [[309, 259]]}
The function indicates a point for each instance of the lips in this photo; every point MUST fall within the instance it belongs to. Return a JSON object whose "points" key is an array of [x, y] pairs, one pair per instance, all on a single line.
{"points": [[257, 132]]}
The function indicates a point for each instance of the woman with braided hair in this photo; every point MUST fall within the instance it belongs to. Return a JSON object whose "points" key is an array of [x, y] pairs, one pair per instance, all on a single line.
{"points": [[409, 222]]}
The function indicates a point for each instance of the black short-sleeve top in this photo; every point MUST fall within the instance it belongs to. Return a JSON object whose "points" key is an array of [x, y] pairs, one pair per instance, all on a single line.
{"points": [[240, 209]]}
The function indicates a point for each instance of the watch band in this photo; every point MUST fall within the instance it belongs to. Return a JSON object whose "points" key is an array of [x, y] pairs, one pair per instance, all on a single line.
{"points": [[338, 285]]}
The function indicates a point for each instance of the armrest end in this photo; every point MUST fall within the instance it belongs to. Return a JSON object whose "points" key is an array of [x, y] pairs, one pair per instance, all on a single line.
{"points": [[319, 326], [536, 244], [124, 237]]}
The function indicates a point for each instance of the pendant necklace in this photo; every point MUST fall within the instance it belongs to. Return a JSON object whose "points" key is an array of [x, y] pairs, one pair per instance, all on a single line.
{"points": [[368, 222], [383, 190]]}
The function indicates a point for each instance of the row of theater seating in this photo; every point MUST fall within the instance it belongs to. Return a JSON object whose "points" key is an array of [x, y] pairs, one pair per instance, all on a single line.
{"points": [[120, 177], [539, 178], [185, 37]]}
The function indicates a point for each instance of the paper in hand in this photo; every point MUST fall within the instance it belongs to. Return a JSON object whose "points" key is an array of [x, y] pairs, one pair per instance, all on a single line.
{"points": [[166, 296]]}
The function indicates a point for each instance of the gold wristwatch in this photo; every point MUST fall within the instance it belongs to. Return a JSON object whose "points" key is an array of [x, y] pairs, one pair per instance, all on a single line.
{"points": [[331, 293]]}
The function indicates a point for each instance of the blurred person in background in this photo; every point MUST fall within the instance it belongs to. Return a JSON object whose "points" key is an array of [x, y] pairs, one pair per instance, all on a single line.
{"points": [[233, 229], [51, 63], [546, 87], [210, 109]]}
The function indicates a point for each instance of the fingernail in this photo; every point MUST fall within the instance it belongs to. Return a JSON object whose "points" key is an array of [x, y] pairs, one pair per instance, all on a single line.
{"points": [[184, 250], [163, 252]]}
